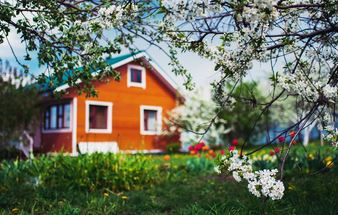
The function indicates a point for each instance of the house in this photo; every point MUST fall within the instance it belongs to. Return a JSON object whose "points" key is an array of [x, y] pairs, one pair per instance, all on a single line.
{"points": [[127, 115]]}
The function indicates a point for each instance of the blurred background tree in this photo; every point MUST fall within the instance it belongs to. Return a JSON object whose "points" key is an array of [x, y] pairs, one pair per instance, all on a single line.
{"points": [[196, 119], [244, 116], [18, 109]]}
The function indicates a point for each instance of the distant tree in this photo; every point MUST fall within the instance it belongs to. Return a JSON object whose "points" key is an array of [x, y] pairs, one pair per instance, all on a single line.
{"points": [[245, 115], [197, 120], [289, 112], [18, 109]]}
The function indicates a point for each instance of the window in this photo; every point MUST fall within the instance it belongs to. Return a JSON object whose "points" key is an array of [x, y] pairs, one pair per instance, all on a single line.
{"points": [[57, 117], [151, 120], [136, 76], [98, 117]]}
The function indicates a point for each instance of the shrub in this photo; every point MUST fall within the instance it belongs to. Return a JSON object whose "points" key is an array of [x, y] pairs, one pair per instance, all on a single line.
{"points": [[9, 152], [115, 172], [198, 165], [173, 147]]}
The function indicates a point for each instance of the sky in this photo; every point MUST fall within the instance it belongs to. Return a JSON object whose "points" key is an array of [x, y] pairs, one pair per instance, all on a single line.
{"points": [[201, 69]]}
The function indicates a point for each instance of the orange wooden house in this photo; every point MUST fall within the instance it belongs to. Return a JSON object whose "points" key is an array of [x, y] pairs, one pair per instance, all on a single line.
{"points": [[127, 115]]}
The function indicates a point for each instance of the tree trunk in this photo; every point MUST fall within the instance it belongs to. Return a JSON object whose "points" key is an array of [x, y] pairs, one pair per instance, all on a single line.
{"points": [[307, 133]]}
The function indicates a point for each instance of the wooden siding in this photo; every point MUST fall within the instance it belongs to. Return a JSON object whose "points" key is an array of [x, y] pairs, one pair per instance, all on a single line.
{"points": [[56, 142], [125, 114]]}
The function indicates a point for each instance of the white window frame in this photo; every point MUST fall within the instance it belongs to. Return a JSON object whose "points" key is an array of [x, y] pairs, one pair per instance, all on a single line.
{"points": [[143, 76], [59, 130], [109, 116], [159, 119]]}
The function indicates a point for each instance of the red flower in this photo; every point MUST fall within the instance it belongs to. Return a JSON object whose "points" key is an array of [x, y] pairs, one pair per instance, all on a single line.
{"points": [[277, 150], [202, 143], [231, 148], [292, 134], [222, 152], [234, 142], [272, 153], [281, 139], [294, 142], [191, 148], [199, 146]]}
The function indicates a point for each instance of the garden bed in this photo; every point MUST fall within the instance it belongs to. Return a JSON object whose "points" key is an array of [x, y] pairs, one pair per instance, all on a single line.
{"points": [[158, 184]]}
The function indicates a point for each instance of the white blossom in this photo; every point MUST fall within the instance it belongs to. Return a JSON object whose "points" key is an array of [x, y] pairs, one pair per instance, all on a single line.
{"points": [[236, 176], [260, 183]]}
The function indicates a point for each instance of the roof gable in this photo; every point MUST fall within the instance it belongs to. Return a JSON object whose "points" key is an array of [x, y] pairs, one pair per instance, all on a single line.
{"points": [[120, 60]]}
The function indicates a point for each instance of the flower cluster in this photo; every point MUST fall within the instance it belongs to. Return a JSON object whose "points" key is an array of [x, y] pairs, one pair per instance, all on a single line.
{"points": [[301, 84], [260, 183], [331, 136], [264, 183], [234, 143], [188, 10], [260, 11], [194, 149], [202, 147]]}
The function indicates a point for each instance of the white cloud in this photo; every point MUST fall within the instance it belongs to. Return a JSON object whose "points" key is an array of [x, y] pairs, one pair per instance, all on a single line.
{"points": [[17, 45]]}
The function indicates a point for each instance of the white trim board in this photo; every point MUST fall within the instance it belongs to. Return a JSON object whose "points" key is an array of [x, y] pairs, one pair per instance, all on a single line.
{"points": [[159, 119], [92, 147], [74, 122], [109, 116]]}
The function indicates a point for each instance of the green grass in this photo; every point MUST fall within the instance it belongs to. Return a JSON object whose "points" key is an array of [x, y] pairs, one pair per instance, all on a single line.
{"points": [[184, 185], [196, 194]]}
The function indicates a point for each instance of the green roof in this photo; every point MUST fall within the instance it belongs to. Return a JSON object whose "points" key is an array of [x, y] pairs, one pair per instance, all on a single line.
{"points": [[110, 61]]}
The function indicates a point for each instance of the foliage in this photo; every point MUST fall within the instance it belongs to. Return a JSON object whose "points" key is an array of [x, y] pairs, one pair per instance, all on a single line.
{"points": [[301, 162], [196, 165], [245, 117], [173, 147], [293, 37], [19, 110], [196, 119], [9, 153], [84, 172], [184, 192], [76, 35]]}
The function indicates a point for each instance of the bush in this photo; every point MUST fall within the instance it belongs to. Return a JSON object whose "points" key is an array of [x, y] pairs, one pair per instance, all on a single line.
{"points": [[91, 172], [7, 153], [198, 165], [300, 161], [173, 147]]}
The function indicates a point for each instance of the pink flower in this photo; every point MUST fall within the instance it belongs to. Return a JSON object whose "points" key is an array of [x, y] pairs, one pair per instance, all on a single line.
{"points": [[234, 142], [222, 152], [281, 139], [231, 148]]}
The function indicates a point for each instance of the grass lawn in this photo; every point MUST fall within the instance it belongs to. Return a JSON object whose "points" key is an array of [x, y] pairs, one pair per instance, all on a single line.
{"points": [[178, 190]]}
